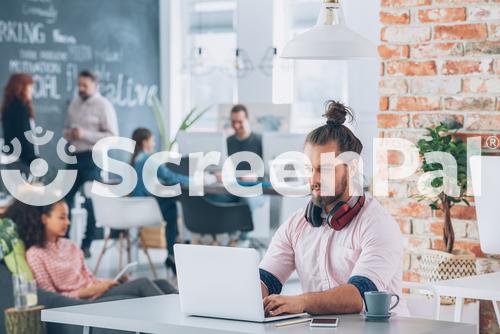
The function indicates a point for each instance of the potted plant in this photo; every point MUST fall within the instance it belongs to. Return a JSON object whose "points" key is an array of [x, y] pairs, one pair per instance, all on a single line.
{"points": [[452, 263], [191, 118], [8, 237], [154, 237], [12, 249]]}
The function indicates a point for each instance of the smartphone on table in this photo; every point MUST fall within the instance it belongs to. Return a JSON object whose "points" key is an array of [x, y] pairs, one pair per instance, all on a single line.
{"points": [[324, 322]]}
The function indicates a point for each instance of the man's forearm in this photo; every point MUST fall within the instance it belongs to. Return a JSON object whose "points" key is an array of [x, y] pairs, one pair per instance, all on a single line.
{"points": [[343, 299], [264, 290]]}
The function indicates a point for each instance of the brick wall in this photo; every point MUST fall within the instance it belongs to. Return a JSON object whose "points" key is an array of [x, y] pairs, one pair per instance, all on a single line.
{"points": [[440, 62]]}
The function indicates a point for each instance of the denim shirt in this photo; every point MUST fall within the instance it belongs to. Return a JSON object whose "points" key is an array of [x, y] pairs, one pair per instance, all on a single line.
{"points": [[165, 176]]}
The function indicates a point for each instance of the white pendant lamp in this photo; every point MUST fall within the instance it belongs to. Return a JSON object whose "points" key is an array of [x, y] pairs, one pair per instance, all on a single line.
{"points": [[330, 39]]}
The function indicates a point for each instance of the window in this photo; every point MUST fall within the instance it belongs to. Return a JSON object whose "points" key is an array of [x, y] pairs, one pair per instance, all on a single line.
{"points": [[314, 82], [211, 43]]}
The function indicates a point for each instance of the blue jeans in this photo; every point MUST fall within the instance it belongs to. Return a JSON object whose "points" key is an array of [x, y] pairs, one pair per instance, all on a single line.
{"points": [[86, 171], [168, 209]]}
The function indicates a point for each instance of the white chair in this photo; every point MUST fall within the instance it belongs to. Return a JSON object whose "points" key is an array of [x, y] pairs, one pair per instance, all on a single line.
{"points": [[262, 220], [125, 214], [416, 308], [421, 306]]}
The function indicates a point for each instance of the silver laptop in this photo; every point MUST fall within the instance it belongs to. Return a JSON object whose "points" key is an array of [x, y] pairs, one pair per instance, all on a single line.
{"points": [[221, 282]]}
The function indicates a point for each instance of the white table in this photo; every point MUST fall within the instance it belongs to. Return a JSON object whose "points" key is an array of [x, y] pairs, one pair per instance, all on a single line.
{"points": [[485, 287], [162, 315]]}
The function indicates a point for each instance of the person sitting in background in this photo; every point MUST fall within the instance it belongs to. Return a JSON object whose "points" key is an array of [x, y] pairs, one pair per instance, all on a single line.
{"points": [[18, 116], [144, 147], [58, 264], [243, 138]]}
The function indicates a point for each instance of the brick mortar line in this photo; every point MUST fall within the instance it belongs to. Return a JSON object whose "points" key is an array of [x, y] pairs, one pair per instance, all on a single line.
{"points": [[440, 6], [441, 112], [447, 5], [439, 41], [492, 95], [438, 219], [451, 58], [442, 76], [458, 95], [417, 24], [445, 95], [445, 112], [471, 132]]}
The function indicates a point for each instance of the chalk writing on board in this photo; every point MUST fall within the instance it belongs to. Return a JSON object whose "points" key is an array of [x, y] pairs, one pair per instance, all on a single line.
{"points": [[26, 66], [48, 13], [28, 54], [59, 37], [71, 75], [22, 32], [108, 55], [126, 93], [53, 40], [51, 55], [48, 109], [80, 53]]}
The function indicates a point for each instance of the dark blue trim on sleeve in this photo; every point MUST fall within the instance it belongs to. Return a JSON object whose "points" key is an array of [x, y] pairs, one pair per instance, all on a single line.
{"points": [[363, 284], [273, 284]]}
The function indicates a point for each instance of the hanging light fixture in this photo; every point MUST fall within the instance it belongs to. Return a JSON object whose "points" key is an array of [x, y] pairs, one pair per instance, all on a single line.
{"points": [[199, 62], [267, 62], [242, 63], [330, 39]]}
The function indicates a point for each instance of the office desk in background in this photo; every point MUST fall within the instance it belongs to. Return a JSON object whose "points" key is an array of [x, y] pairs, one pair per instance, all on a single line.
{"points": [[162, 314], [219, 189]]}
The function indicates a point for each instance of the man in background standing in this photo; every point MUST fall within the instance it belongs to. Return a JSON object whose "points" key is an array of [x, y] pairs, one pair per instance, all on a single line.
{"points": [[90, 118]]}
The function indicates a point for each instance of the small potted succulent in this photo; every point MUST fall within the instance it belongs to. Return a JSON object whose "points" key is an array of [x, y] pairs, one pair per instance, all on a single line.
{"points": [[451, 263]]}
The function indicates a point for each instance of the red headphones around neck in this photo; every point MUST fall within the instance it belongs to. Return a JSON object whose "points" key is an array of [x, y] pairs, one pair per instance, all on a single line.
{"points": [[338, 217]]}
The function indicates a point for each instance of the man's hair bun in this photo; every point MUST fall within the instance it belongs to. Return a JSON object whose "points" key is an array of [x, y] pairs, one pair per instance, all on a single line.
{"points": [[336, 113]]}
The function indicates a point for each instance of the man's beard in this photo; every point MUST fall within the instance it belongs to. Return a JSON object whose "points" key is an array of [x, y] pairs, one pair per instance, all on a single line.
{"points": [[324, 201], [83, 96]]}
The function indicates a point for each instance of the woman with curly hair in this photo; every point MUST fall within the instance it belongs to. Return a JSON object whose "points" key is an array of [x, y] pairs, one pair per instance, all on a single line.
{"points": [[58, 264], [18, 115]]}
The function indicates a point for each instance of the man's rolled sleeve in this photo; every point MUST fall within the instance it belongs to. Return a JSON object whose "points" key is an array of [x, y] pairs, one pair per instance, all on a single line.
{"points": [[280, 257], [381, 254]]}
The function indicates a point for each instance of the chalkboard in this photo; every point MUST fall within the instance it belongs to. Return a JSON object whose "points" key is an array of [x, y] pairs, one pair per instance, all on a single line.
{"points": [[55, 39]]}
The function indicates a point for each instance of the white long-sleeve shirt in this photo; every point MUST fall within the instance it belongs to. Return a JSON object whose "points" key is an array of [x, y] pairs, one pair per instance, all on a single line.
{"points": [[96, 119]]}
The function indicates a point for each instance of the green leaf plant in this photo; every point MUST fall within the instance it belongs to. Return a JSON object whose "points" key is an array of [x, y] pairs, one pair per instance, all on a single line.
{"points": [[442, 138], [8, 238], [191, 118]]}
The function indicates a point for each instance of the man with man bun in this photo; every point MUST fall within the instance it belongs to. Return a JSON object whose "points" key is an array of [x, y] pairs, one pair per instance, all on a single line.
{"points": [[341, 245]]}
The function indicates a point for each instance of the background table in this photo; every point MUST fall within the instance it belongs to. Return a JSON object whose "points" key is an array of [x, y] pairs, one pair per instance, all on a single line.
{"points": [[219, 189], [485, 287], [162, 315]]}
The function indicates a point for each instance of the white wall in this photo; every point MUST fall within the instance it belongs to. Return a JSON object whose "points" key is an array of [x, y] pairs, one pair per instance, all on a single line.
{"points": [[255, 36], [363, 17], [165, 68]]}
